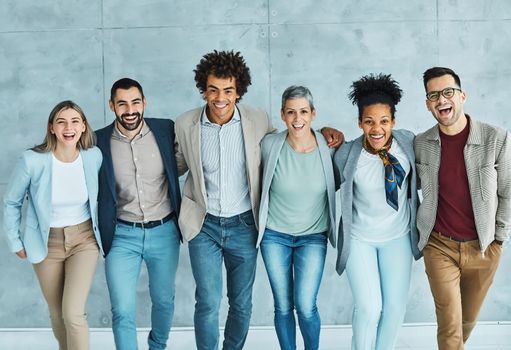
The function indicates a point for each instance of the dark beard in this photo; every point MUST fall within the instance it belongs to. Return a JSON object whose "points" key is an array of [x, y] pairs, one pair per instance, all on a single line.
{"points": [[128, 126]]}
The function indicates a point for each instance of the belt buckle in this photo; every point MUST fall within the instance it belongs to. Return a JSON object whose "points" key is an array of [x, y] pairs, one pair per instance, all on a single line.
{"points": [[151, 224], [146, 225], [155, 223]]}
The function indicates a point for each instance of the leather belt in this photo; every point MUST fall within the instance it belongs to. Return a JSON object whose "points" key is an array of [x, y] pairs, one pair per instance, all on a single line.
{"points": [[148, 224], [456, 239]]}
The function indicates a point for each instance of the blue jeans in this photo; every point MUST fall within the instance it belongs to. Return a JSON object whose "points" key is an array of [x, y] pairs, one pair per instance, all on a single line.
{"points": [[159, 248], [379, 275], [231, 240], [295, 267]]}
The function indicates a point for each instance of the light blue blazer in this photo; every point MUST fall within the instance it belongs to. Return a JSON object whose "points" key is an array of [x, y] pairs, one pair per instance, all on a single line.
{"points": [[345, 160], [270, 151], [32, 179]]}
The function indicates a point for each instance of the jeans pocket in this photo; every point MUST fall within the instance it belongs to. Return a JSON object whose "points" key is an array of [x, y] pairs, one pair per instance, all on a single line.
{"points": [[247, 220], [316, 239]]}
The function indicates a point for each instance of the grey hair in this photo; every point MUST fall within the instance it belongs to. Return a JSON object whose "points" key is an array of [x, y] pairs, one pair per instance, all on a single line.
{"points": [[294, 92]]}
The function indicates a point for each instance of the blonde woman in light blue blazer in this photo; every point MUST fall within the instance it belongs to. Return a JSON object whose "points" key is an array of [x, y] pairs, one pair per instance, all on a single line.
{"points": [[59, 179], [296, 218]]}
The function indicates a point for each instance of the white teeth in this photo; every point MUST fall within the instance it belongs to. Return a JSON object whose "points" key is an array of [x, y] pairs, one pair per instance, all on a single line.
{"points": [[298, 125], [376, 136]]}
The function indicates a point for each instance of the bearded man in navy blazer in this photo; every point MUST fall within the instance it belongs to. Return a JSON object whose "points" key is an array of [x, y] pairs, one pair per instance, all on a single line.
{"points": [[139, 201]]}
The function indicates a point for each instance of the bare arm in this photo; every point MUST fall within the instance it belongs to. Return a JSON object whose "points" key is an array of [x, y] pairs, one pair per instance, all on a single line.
{"points": [[334, 138]]}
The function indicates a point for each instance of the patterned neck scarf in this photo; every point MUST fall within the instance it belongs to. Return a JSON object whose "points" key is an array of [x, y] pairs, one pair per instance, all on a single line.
{"points": [[394, 173]]}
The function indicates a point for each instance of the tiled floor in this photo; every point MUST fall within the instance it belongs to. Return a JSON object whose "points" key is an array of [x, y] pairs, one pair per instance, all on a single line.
{"points": [[486, 336]]}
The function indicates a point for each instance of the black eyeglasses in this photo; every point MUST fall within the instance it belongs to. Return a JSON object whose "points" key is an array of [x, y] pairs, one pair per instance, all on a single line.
{"points": [[447, 93]]}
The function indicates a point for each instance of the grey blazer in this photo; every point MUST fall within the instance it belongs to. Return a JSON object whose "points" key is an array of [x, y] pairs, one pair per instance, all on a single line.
{"points": [[270, 150], [488, 163], [345, 160], [255, 123]]}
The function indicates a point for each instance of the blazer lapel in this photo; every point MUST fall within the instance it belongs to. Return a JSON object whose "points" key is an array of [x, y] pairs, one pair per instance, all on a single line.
{"points": [[247, 127], [326, 161], [87, 170], [162, 141], [271, 164], [161, 136], [351, 163], [405, 146], [195, 145], [48, 178], [107, 167]]}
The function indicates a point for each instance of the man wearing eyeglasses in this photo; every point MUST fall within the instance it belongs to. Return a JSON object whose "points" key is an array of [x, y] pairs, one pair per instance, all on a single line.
{"points": [[464, 167]]}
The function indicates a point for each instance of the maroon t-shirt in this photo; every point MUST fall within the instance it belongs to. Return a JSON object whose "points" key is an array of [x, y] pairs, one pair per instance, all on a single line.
{"points": [[455, 217]]}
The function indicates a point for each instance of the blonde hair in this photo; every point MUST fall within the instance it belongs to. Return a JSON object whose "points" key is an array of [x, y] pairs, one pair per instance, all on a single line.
{"points": [[50, 141]]}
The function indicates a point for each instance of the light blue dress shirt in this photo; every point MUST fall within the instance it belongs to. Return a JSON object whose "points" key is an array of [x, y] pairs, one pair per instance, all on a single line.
{"points": [[224, 166]]}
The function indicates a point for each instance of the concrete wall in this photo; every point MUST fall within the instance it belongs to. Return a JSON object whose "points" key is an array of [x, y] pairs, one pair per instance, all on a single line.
{"points": [[50, 51]]}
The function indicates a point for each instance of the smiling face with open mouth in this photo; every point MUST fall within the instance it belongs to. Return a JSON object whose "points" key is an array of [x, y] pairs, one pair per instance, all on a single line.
{"points": [[221, 97], [298, 116], [67, 127], [128, 106], [447, 111], [377, 123]]}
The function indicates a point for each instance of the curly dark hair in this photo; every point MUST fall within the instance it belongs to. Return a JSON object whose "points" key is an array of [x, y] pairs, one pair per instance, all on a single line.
{"points": [[372, 89], [223, 64]]}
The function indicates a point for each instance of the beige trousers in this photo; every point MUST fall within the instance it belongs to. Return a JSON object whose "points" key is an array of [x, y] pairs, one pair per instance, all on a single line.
{"points": [[65, 276], [459, 276]]}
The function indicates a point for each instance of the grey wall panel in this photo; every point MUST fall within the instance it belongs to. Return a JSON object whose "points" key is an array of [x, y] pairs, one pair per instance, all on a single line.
{"points": [[497, 305], [39, 70], [19, 289], [474, 9], [334, 11], [481, 53], [335, 302], [164, 13], [163, 61], [329, 57], [25, 15]]}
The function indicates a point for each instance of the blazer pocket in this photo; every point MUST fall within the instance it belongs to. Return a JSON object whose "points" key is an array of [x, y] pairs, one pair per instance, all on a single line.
{"points": [[190, 215], [188, 205], [425, 173], [488, 182], [342, 179]]}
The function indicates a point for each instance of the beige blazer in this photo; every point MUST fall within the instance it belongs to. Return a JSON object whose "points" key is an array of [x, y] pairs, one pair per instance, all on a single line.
{"points": [[255, 124]]}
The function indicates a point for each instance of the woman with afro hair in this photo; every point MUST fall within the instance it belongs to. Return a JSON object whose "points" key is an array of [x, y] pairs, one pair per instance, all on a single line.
{"points": [[377, 233]]}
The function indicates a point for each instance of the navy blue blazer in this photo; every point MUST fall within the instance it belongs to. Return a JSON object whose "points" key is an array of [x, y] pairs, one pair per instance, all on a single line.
{"points": [[163, 130]]}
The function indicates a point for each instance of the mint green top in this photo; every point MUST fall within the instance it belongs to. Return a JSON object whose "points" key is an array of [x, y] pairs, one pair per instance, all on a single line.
{"points": [[298, 202]]}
